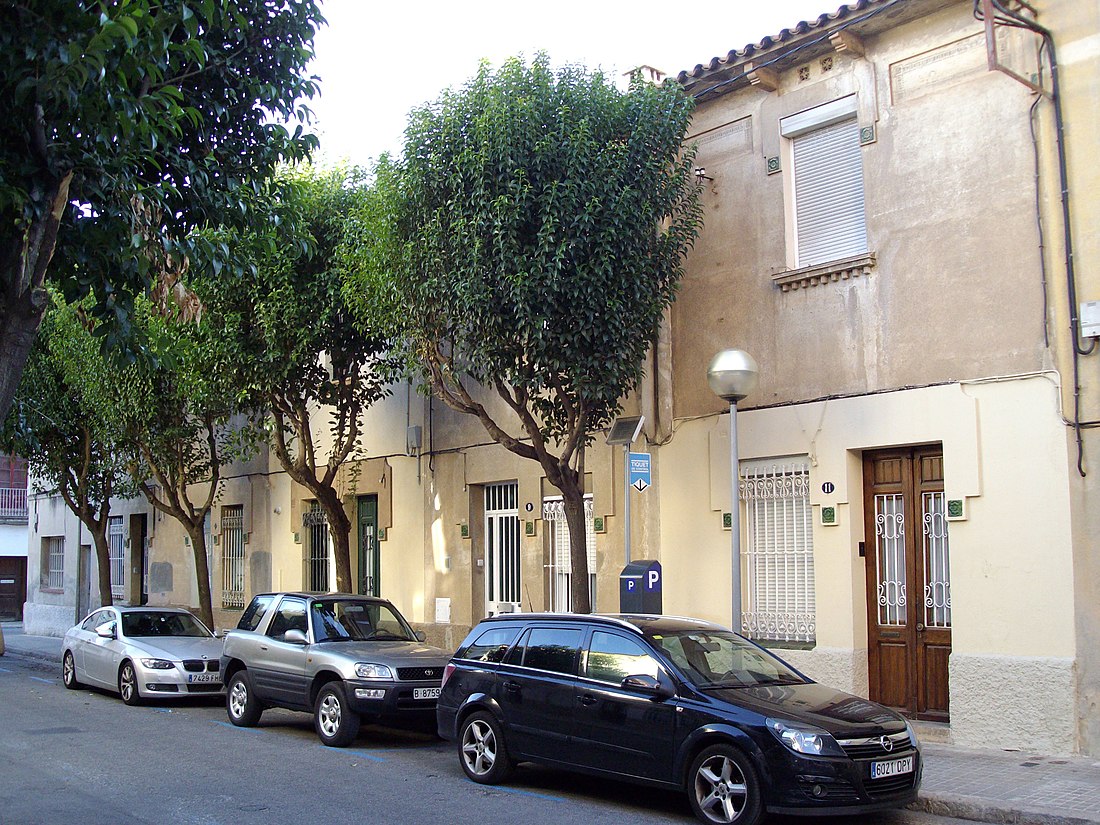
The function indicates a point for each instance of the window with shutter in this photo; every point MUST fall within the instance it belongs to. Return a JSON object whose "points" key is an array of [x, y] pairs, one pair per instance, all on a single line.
{"points": [[828, 205]]}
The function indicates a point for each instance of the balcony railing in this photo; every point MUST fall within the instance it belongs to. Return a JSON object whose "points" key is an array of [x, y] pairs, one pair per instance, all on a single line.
{"points": [[13, 503]]}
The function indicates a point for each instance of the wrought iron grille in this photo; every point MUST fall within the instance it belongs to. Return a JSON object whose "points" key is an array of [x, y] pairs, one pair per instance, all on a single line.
{"points": [[233, 556], [937, 572], [116, 553], [890, 542], [54, 574], [561, 555], [780, 603], [319, 560], [502, 543]]}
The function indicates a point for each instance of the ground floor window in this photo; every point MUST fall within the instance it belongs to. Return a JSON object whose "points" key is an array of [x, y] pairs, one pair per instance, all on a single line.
{"points": [[320, 574], [233, 556], [778, 555], [561, 552], [503, 580], [116, 552], [53, 563]]}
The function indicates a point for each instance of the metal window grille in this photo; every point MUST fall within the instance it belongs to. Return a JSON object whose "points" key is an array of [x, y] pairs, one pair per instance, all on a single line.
{"points": [[502, 545], [890, 546], [830, 219], [778, 559], [319, 561], [937, 571], [561, 555], [233, 556], [54, 574], [116, 550], [208, 538]]}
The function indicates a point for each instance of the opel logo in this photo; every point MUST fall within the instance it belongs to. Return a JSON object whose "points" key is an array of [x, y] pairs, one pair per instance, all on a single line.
{"points": [[887, 743]]}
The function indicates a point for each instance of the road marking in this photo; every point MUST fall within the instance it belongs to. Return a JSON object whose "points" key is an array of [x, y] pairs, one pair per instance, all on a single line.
{"points": [[370, 756], [4, 670], [521, 792], [40, 679]]}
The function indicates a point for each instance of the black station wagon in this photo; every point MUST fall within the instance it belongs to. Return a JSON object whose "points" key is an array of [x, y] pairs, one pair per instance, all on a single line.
{"points": [[672, 702]]}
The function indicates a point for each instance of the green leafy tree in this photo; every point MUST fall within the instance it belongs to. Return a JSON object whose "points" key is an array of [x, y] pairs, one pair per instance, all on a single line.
{"points": [[180, 424], [53, 424], [289, 338], [542, 219], [126, 124]]}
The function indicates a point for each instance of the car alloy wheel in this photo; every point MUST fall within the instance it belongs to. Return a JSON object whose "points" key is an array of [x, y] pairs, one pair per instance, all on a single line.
{"points": [[127, 684], [240, 703], [482, 750], [337, 724], [68, 671], [724, 788]]}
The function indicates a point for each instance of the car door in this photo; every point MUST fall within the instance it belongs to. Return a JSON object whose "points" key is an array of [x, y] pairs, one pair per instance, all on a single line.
{"points": [[536, 684], [619, 729], [101, 654], [278, 666], [81, 637]]}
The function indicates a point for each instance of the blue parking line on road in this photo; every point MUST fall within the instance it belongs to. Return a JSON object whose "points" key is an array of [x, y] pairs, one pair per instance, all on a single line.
{"points": [[238, 727], [4, 670], [40, 679], [370, 756], [521, 792]]}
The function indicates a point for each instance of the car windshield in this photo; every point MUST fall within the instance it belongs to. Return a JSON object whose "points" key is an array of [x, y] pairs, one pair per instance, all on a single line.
{"points": [[336, 620], [721, 659], [158, 623]]}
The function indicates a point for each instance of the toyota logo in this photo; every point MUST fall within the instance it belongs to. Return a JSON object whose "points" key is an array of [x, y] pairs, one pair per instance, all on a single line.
{"points": [[432, 673], [887, 743]]}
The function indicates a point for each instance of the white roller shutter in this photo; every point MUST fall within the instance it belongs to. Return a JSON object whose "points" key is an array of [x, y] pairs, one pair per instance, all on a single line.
{"points": [[830, 223]]}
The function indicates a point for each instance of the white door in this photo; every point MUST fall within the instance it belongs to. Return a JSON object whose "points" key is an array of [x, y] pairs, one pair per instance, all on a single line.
{"points": [[502, 563]]}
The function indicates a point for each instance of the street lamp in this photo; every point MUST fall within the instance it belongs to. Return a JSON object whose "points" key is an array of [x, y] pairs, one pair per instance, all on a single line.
{"points": [[732, 375]]}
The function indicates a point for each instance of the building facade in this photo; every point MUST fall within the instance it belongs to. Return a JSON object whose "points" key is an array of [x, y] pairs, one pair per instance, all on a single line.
{"points": [[918, 518]]}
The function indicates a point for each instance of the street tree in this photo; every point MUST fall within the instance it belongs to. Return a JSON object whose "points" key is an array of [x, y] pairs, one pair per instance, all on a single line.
{"points": [[289, 338], [179, 424], [130, 121], [542, 217], [68, 445]]}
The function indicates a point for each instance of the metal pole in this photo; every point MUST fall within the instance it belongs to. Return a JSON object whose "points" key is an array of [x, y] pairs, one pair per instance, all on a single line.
{"points": [[735, 522], [626, 497]]}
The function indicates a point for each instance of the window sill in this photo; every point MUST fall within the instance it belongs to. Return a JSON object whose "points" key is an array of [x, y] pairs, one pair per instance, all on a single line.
{"points": [[52, 590], [841, 270]]}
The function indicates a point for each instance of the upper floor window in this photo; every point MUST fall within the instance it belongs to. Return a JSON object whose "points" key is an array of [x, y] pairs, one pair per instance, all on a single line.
{"points": [[826, 212]]}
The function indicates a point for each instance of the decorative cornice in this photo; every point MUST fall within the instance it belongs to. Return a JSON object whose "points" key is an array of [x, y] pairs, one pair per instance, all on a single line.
{"points": [[841, 270]]}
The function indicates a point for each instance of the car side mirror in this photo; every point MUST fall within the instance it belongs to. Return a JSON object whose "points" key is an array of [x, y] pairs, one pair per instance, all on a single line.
{"points": [[420, 636], [106, 631], [654, 688], [295, 637], [219, 633]]}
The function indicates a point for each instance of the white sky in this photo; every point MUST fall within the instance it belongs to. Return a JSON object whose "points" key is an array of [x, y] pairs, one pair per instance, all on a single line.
{"points": [[378, 60]]}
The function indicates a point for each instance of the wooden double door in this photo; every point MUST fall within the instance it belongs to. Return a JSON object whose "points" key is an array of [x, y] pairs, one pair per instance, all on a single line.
{"points": [[908, 581]]}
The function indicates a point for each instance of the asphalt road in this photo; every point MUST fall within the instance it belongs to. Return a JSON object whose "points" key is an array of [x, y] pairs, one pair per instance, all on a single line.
{"points": [[83, 757]]}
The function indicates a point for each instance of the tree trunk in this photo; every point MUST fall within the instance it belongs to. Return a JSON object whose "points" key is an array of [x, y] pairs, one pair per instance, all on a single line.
{"points": [[573, 496], [102, 557], [339, 528], [21, 319], [202, 571]]}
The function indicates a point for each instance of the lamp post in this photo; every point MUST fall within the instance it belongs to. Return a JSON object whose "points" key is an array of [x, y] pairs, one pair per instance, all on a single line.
{"points": [[732, 375]]}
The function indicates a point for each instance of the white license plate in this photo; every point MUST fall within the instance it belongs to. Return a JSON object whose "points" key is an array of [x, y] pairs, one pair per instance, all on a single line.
{"points": [[895, 767], [204, 677], [425, 693]]}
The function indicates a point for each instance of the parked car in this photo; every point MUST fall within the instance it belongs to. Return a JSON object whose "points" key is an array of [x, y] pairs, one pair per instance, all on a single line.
{"points": [[676, 703], [142, 653], [340, 657]]}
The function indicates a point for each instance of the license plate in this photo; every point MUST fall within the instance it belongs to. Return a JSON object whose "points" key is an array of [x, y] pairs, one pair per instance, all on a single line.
{"points": [[204, 678], [895, 767], [425, 693]]}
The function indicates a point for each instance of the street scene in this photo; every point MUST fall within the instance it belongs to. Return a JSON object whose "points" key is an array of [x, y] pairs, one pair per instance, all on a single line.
{"points": [[588, 412]]}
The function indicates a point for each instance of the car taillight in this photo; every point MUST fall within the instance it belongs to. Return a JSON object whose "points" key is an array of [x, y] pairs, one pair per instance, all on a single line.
{"points": [[447, 671]]}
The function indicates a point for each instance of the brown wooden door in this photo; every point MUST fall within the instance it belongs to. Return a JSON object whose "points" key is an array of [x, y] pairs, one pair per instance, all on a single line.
{"points": [[13, 586], [908, 580]]}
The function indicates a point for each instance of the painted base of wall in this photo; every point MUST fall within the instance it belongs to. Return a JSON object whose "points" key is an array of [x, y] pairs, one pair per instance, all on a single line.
{"points": [[836, 667], [446, 636], [47, 619], [1014, 702]]}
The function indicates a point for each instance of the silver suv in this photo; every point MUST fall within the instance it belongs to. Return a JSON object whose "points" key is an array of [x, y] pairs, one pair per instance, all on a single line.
{"points": [[338, 656]]}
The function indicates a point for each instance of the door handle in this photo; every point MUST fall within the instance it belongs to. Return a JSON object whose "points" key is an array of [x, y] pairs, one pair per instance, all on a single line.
{"points": [[920, 627], [263, 647], [587, 700], [511, 687]]}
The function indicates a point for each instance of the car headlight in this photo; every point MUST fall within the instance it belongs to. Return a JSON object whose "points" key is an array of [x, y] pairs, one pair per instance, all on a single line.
{"points": [[912, 735], [804, 739], [157, 664], [365, 670]]}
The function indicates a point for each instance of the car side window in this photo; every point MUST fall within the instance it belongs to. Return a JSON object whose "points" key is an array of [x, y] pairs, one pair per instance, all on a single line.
{"points": [[611, 658], [91, 621], [105, 616], [291, 615], [553, 649], [250, 620], [491, 645]]}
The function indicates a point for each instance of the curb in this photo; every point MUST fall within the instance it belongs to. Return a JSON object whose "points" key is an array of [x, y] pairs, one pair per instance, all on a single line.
{"points": [[34, 654], [965, 807]]}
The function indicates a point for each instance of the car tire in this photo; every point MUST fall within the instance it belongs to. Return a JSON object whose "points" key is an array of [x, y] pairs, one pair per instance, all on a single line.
{"points": [[241, 704], [482, 750], [336, 723], [68, 671], [128, 684], [723, 787]]}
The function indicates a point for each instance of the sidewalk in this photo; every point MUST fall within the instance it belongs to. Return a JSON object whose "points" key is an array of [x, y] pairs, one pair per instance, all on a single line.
{"points": [[1008, 787]]}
